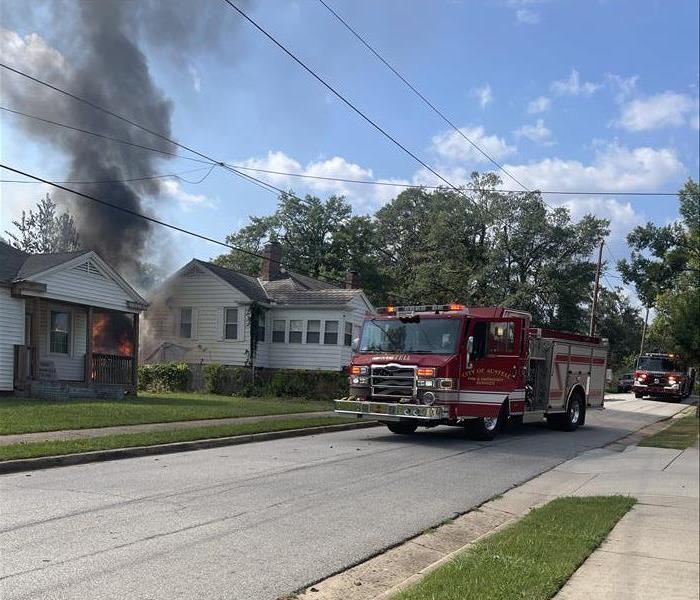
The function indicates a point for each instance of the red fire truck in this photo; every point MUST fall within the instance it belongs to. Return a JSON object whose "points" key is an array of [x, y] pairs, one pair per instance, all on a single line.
{"points": [[473, 367], [662, 376]]}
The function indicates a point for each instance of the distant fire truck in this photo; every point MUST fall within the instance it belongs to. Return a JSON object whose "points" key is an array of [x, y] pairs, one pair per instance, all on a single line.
{"points": [[662, 376], [473, 367]]}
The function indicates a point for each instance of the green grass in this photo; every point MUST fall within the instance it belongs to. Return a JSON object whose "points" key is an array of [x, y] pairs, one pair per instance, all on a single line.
{"points": [[25, 415], [129, 440], [681, 434], [532, 559]]}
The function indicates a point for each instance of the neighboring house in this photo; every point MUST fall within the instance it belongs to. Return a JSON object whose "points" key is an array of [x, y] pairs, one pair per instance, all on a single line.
{"points": [[68, 325], [202, 315]]}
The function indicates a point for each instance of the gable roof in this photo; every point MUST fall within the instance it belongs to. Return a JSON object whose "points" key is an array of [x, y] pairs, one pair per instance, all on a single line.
{"points": [[249, 286], [38, 263], [11, 260], [287, 288]]}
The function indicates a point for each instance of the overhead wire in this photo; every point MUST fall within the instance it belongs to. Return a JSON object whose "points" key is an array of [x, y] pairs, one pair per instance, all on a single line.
{"points": [[127, 179]]}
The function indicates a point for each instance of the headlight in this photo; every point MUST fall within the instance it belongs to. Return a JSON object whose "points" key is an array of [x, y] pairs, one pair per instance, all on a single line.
{"points": [[672, 380], [355, 370], [358, 380]]}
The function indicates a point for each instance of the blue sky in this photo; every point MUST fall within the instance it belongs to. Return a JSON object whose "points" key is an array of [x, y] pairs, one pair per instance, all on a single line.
{"points": [[593, 96]]}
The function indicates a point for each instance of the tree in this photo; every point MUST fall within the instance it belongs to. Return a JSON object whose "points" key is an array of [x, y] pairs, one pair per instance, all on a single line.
{"points": [[321, 238], [665, 267], [621, 324], [44, 231]]}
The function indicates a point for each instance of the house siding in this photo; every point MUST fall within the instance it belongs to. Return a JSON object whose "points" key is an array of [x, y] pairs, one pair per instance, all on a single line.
{"points": [[11, 333], [79, 286], [207, 295]]}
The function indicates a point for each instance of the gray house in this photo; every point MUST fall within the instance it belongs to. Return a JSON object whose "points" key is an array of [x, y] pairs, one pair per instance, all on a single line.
{"points": [[69, 325], [202, 314]]}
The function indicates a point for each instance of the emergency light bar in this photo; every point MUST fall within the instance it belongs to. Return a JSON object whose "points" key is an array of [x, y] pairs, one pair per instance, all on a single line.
{"points": [[410, 310]]}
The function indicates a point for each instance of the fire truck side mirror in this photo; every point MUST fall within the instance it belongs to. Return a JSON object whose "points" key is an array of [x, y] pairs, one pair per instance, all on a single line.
{"points": [[470, 350]]}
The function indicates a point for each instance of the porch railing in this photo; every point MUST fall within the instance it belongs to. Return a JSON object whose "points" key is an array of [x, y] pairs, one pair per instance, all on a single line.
{"points": [[111, 368]]}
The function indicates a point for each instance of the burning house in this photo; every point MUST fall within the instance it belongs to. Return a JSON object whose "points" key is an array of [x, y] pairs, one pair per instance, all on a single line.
{"points": [[69, 325]]}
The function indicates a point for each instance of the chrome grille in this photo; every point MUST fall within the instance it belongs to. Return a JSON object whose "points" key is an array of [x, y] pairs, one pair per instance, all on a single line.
{"points": [[393, 381]]}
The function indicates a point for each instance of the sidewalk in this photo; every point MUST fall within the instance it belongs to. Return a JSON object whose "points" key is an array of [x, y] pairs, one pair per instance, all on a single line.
{"points": [[652, 553], [73, 434]]}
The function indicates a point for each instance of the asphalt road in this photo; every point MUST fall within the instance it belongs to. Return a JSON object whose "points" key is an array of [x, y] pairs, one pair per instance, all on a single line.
{"points": [[261, 520]]}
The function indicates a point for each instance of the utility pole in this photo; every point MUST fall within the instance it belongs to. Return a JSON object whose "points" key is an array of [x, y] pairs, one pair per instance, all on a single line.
{"points": [[644, 332], [596, 286]]}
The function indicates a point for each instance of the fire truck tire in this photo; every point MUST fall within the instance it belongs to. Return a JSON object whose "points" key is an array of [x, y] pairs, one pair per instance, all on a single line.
{"points": [[402, 427], [636, 395], [573, 418], [485, 429]]}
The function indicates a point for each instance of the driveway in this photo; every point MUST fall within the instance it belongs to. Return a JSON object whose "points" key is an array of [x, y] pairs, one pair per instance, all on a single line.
{"points": [[260, 520]]}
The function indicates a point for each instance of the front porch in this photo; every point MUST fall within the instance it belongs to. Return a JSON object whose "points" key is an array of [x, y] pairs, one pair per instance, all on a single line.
{"points": [[76, 351]]}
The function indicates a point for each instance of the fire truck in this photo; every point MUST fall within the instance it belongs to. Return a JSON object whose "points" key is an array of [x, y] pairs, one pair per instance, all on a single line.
{"points": [[662, 376], [474, 367]]}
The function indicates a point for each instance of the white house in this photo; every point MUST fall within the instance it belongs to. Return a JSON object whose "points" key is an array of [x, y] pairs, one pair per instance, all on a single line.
{"points": [[202, 314], [68, 325]]}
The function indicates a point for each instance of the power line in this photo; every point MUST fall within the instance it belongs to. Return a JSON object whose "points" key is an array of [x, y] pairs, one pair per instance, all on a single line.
{"points": [[127, 179], [420, 95], [338, 95], [166, 224]]}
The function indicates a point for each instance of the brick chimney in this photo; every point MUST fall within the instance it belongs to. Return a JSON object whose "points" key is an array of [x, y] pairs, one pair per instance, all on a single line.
{"points": [[272, 256], [352, 280]]}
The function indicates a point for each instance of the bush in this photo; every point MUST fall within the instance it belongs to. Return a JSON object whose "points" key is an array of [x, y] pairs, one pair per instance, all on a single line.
{"points": [[323, 385], [166, 377]]}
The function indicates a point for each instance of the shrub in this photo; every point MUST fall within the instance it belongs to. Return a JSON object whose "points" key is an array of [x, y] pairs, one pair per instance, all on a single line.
{"points": [[165, 377], [220, 379]]}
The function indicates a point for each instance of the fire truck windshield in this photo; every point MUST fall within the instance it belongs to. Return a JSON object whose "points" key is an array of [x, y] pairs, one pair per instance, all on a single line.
{"points": [[658, 363], [423, 336]]}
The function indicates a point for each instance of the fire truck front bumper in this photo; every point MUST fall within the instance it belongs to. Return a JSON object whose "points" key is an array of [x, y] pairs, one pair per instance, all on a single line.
{"points": [[390, 411]]}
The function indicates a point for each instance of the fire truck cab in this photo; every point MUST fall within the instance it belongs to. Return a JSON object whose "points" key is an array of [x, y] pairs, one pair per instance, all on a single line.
{"points": [[660, 375], [475, 367]]}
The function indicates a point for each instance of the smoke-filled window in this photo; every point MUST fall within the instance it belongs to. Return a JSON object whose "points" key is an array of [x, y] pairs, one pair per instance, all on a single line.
{"points": [[231, 323], [295, 330], [278, 330], [59, 335], [185, 322]]}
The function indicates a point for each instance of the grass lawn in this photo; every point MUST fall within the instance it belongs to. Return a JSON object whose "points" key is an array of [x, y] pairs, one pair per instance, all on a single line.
{"points": [[129, 440], [25, 415], [681, 434], [531, 559]]}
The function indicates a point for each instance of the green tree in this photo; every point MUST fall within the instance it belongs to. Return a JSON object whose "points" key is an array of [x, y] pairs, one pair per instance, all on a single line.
{"points": [[665, 267], [45, 231]]}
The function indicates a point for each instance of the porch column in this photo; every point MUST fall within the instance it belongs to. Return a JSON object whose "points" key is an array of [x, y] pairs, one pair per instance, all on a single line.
{"points": [[35, 335], [88, 347], [135, 357]]}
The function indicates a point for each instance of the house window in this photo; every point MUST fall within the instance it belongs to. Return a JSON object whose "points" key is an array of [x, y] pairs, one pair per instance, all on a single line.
{"points": [[278, 328], [502, 338], [348, 333], [230, 323], [59, 334], [313, 332], [330, 333], [261, 327], [185, 322], [295, 331]]}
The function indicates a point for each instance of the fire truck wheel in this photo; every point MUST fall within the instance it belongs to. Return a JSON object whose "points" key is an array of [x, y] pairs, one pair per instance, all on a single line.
{"points": [[638, 395], [402, 427], [486, 428]]}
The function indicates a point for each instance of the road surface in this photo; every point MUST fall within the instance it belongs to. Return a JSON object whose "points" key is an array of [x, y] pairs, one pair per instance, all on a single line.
{"points": [[261, 520]]}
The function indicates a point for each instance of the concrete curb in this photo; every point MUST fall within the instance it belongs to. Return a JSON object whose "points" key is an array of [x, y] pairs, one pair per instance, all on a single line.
{"points": [[65, 460]]}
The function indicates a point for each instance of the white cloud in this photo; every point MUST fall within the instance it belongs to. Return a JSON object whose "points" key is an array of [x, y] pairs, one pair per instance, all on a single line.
{"points": [[536, 133], [171, 188], [668, 109], [623, 86], [30, 51], [484, 95], [452, 146], [539, 105], [196, 81], [526, 16], [614, 168], [573, 86]]}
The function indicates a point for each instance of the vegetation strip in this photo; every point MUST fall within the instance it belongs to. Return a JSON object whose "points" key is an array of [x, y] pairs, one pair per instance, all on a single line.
{"points": [[531, 559], [28, 415], [681, 434], [130, 440]]}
